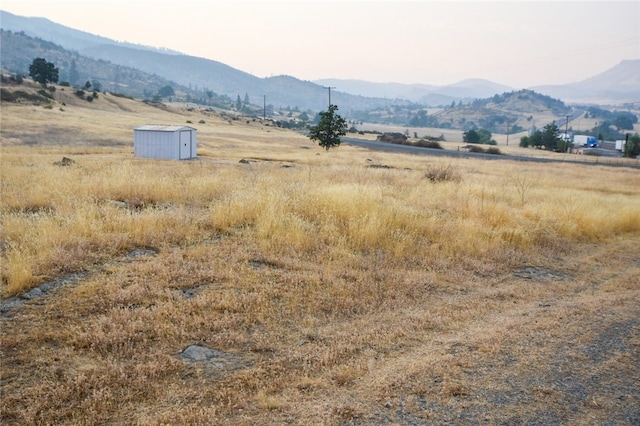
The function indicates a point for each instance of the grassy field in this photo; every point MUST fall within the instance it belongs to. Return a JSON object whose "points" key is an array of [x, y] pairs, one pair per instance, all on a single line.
{"points": [[306, 287]]}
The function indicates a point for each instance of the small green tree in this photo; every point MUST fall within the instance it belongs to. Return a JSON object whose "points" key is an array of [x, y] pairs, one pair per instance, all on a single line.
{"points": [[471, 136], [43, 72], [485, 136], [551, 136], [632, 147], [328, 131]]}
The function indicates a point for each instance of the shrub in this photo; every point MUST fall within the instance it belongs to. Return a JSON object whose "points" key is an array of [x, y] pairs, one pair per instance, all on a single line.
{"points": [[44, 93], [18, 95], [120, 95], [442, 173], [428, 144]]}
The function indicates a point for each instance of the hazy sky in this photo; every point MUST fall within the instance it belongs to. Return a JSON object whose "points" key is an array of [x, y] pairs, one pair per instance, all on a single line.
{"points": [[517, 43]]}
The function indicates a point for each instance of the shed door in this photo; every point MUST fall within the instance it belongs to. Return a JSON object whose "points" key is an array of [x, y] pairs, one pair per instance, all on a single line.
{"points": [[185, 144]]}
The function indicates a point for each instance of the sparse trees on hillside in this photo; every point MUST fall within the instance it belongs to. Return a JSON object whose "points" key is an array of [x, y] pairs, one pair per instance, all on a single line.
{"points": [[73, 73], [43, 72], [166, 91], [328, 131]]}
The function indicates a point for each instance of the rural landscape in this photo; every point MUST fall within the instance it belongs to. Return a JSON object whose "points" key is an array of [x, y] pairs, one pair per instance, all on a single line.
{"points": [[270, 281], [467, 254]]}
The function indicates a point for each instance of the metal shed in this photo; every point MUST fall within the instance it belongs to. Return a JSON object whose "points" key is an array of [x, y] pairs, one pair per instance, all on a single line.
{"points": [[166, 142]]}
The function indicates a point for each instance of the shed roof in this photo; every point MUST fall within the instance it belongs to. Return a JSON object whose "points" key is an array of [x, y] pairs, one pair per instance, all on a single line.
{"points": [[163, 128]]}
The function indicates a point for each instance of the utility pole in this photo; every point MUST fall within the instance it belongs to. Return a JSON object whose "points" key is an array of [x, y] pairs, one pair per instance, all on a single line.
{"points": [[264, 108], [507, 132], [566, 134], [329, 88]]}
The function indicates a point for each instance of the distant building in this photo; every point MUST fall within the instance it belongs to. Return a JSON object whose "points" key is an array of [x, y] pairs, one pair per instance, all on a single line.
{"points": [[165, 142]]}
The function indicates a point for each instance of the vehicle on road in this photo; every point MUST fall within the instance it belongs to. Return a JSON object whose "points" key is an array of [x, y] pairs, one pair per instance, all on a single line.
{"points": [[584, 140]]}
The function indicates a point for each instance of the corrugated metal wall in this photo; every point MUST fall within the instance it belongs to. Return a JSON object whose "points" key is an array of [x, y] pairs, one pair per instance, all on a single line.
{"points": [[171, 145]]}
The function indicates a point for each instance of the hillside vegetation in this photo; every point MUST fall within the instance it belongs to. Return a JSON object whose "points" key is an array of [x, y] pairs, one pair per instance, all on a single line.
{"points": [[19, 50], [302, 286]]}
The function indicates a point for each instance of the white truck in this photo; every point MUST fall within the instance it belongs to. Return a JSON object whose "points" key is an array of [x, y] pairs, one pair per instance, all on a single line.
{"points": [[584, 140]]}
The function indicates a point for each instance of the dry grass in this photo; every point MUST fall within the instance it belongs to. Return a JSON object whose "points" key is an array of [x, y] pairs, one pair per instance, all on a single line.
{"points": [[334, 292]]}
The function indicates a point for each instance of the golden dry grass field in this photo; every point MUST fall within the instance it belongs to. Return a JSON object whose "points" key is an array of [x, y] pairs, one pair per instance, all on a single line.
{"points": [[305, 286]]}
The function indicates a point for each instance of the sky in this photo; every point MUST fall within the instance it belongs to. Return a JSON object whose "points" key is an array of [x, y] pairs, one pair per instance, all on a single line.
{"points": [[517, 43]]}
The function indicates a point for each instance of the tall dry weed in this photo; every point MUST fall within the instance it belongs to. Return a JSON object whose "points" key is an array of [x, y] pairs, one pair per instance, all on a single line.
{"points": [[61, 219]]}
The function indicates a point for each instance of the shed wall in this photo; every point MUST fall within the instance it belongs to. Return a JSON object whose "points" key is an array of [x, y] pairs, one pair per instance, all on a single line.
{"points": [[171, 145]]}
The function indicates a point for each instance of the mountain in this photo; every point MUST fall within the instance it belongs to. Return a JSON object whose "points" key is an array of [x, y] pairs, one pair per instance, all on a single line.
{"points": [[200, 76], [513, 110], [197, 74], [19, 50], [619, 84], [465, 91], [66, 37]]}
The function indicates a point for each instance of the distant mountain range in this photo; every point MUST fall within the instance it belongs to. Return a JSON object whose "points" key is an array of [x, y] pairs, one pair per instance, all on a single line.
{"points": [[465, 91], [621, 84]]}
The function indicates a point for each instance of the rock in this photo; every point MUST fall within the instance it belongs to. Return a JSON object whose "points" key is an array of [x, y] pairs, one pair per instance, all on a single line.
{"points": [[116, 203], [197, 353], [33, 293], [244, 161]]}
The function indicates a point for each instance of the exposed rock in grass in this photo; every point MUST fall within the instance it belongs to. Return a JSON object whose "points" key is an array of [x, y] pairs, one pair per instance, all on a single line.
{"points": [[198, 353]]}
